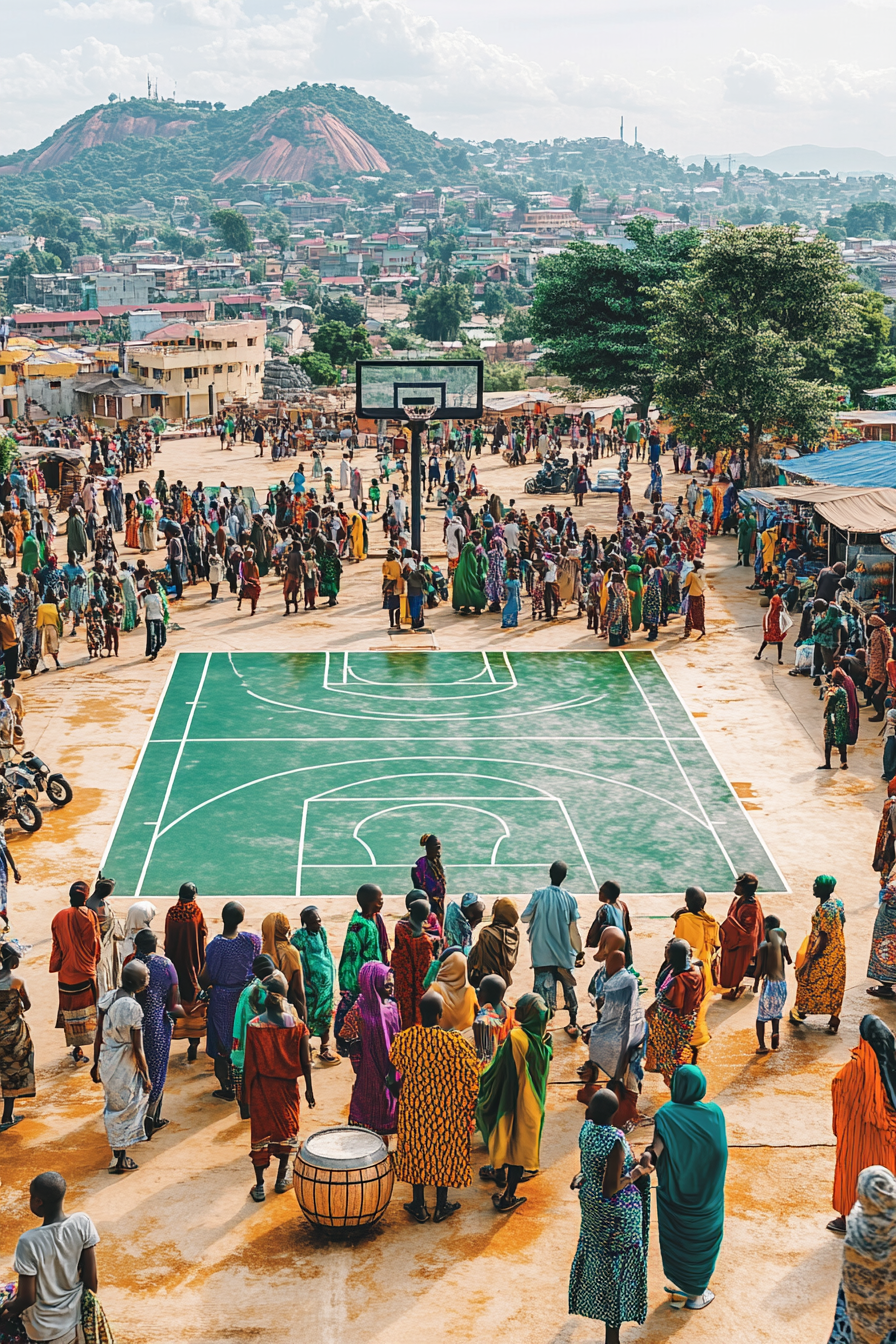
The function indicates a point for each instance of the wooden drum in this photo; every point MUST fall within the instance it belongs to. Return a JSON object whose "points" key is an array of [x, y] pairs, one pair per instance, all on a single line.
{"points": [[343, 1180]]}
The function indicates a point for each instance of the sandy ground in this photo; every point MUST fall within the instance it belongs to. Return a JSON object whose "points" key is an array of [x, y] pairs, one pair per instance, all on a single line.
{"points": [[186, 1255]]}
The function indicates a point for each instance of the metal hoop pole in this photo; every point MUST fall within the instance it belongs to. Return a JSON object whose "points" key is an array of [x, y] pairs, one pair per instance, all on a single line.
{"points": [[416, 492]]}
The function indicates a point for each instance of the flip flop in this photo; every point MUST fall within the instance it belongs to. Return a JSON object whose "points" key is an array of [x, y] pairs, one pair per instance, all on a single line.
{"points": [[880, 992], [444, 1211], [224, 1096], [127, 1165], [698, 1303], [572, 1032]]}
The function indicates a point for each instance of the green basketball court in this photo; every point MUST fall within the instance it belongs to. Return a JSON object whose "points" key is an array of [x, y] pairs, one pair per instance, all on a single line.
{"points": [[306, 774]]}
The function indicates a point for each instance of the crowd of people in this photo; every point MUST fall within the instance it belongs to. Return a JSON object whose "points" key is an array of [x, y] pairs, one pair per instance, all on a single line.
{"points": [[438, 1051]]}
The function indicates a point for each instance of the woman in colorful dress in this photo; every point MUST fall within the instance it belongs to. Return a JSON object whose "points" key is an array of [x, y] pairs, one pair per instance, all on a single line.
{"points": [[185, 938], [16, 1049], [512, 1095], [821, 978], [161, 1005], [653, 602], [836, 722], [129, 600], [226, 972], [457, 994], [372, 1025], [428, 875], [608, 1279], [512, 602], [618, 614], [132, 524], [319, 975], [775, 624], [672, 1017], [866, 1302], [635, 584], [882, 962]]}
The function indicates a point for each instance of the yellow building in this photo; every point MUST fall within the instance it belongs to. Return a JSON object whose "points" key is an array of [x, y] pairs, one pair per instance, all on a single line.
{"points": [[196, 367]]}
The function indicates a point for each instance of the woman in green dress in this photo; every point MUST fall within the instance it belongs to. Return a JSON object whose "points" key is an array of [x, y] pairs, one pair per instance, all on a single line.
{"points": [[635, 585], [608, 1280], [836, 721], [330, 574], [690, 1149], [468, 588]]}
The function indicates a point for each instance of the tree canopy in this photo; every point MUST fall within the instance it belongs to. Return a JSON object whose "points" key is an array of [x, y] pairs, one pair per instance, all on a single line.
{"points": [[233, 228], [342, 344], [740, 335], [591, 309], [440, 310]]}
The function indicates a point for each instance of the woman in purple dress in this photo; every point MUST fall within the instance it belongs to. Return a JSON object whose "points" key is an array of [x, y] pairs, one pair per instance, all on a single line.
{"points": [[373, 1023], [161, 1004], [226, 973], [428, 876]]}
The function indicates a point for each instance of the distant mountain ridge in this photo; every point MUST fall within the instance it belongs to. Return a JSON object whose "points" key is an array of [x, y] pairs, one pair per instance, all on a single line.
{"points": [[807, 159]]}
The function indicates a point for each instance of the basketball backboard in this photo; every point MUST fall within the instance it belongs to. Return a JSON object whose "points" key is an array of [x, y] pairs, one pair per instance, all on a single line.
{"points": [[386, 387]]}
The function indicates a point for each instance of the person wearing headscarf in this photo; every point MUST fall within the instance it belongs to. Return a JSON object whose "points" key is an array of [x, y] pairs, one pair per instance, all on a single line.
{"points": [[775, 624], [319, 975], [185, 938], [140, 916], [690, 1149], [275, 943], [277, 1054], [225, 973], [672, 1016], [836, 721], [412, 957], [429, 876], [120, 1065], [512, 1096], [108, 968], [863, 1094], [821, 976], [251, 1002], [617, 1041], [882, 961], [608, 1279], [468, 584], [461, 919], [866, 1301], [373, 1023], [617, 618], [497, 947], [460, 1003], [701, 931], [75, 952], [635, 584]]}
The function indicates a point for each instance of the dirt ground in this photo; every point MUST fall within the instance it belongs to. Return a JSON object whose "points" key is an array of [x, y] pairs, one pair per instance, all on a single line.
{"points": [[186, 1255]]}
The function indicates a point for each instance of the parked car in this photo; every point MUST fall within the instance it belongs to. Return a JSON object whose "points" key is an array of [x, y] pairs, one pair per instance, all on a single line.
{"points": [[606, 482]]}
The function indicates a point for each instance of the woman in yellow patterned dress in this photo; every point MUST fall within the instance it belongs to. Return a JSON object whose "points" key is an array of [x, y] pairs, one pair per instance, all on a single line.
{"points": [[439, 1086], [821, 979]]}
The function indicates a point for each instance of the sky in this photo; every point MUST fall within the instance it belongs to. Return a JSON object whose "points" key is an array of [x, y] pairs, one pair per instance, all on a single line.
{"points": [[694, 76]]}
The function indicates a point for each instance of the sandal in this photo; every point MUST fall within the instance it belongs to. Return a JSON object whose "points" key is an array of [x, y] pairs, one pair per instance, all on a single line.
{"points": [[502, 1204], [444, 1211], [8, 1124], [127, 1164], [490, 1174], [833, 1026], [224, 1096], [698, 1303], [572, 1032], [159, 1124], [881, 992], [419, 1212], [328, 1058], [776, 1040], [796, 1019]]}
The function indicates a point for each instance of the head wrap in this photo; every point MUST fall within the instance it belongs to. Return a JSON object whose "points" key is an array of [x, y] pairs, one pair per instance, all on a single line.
{"points": [[825, 884], [871, 1226]]}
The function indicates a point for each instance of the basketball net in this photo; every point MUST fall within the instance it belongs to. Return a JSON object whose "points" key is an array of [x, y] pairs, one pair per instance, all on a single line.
{"points": [[419, 414]]}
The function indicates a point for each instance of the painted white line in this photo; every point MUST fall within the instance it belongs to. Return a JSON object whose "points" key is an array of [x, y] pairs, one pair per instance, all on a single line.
{"points": [[575, 836], [684, 774], [488, 668], [785, 886], [136, 770], [345, 667], [403, 807], [262, 740], [300, 862], [391, 694], [174, 769]]}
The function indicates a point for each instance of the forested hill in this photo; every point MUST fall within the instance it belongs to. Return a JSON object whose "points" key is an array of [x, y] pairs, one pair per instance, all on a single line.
{"points": [[113, 154]]}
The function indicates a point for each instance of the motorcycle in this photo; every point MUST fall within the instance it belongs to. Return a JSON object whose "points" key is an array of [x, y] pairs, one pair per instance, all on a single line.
{"points": [[53, 784], [554, 478], [21, 794]]}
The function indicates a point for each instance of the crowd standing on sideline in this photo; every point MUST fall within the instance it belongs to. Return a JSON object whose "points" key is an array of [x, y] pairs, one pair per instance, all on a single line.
{"points": [[439, 1052]]}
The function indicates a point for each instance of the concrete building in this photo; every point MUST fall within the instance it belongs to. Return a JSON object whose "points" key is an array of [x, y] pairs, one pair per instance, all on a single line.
{"points": [[106, 289], [195, 367], [62, 326], [55, 290]]}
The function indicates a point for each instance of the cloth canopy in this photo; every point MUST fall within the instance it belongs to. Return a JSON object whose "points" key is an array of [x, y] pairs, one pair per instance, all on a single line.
{"points": [[851, 508]]}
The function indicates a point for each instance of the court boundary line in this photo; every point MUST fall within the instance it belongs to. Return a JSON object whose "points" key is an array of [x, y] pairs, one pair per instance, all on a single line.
{"points": [[684, 774], [786, 889], [459, 681], [499, 688], [156, 832], [404, 806], [148, 739]]}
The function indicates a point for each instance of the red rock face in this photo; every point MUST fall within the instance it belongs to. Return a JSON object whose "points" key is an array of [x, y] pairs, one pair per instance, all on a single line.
{"points": [[328, 143], [95, 132]]}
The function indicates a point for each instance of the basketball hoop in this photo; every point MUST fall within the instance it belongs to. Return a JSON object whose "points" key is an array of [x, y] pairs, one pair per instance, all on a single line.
{"points": [[419, 413]]}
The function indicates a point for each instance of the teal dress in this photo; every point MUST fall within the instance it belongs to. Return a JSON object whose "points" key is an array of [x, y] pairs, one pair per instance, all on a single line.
{"points": [[510, 617], [608, 1280], [690, 1196]]}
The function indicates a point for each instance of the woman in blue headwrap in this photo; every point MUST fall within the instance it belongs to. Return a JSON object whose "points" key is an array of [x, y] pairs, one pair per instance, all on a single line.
{"points": [[461, 920], [690, 1149]]}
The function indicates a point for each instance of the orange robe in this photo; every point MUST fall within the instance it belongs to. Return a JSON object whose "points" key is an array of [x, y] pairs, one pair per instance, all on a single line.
{"points": [[740, 935], [864, 1123]]}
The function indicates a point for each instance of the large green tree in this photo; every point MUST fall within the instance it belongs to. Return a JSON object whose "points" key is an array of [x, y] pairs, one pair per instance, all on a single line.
{"points": [[439, 312], [865, 358], [591, 309], [341, 343], [738, 334], [233, 229]]}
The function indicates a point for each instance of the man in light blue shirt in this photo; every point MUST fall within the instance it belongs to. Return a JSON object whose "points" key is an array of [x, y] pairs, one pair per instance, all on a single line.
{"points": [[555, 944]]}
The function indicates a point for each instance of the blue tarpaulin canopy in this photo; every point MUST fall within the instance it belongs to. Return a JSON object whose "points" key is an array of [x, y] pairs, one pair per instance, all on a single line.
{"points": [[870, 463]]}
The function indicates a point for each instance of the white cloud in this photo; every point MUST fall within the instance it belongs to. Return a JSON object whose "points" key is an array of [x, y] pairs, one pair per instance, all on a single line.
{"points": [[770, 81], [204, 13], [134, 11]]}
